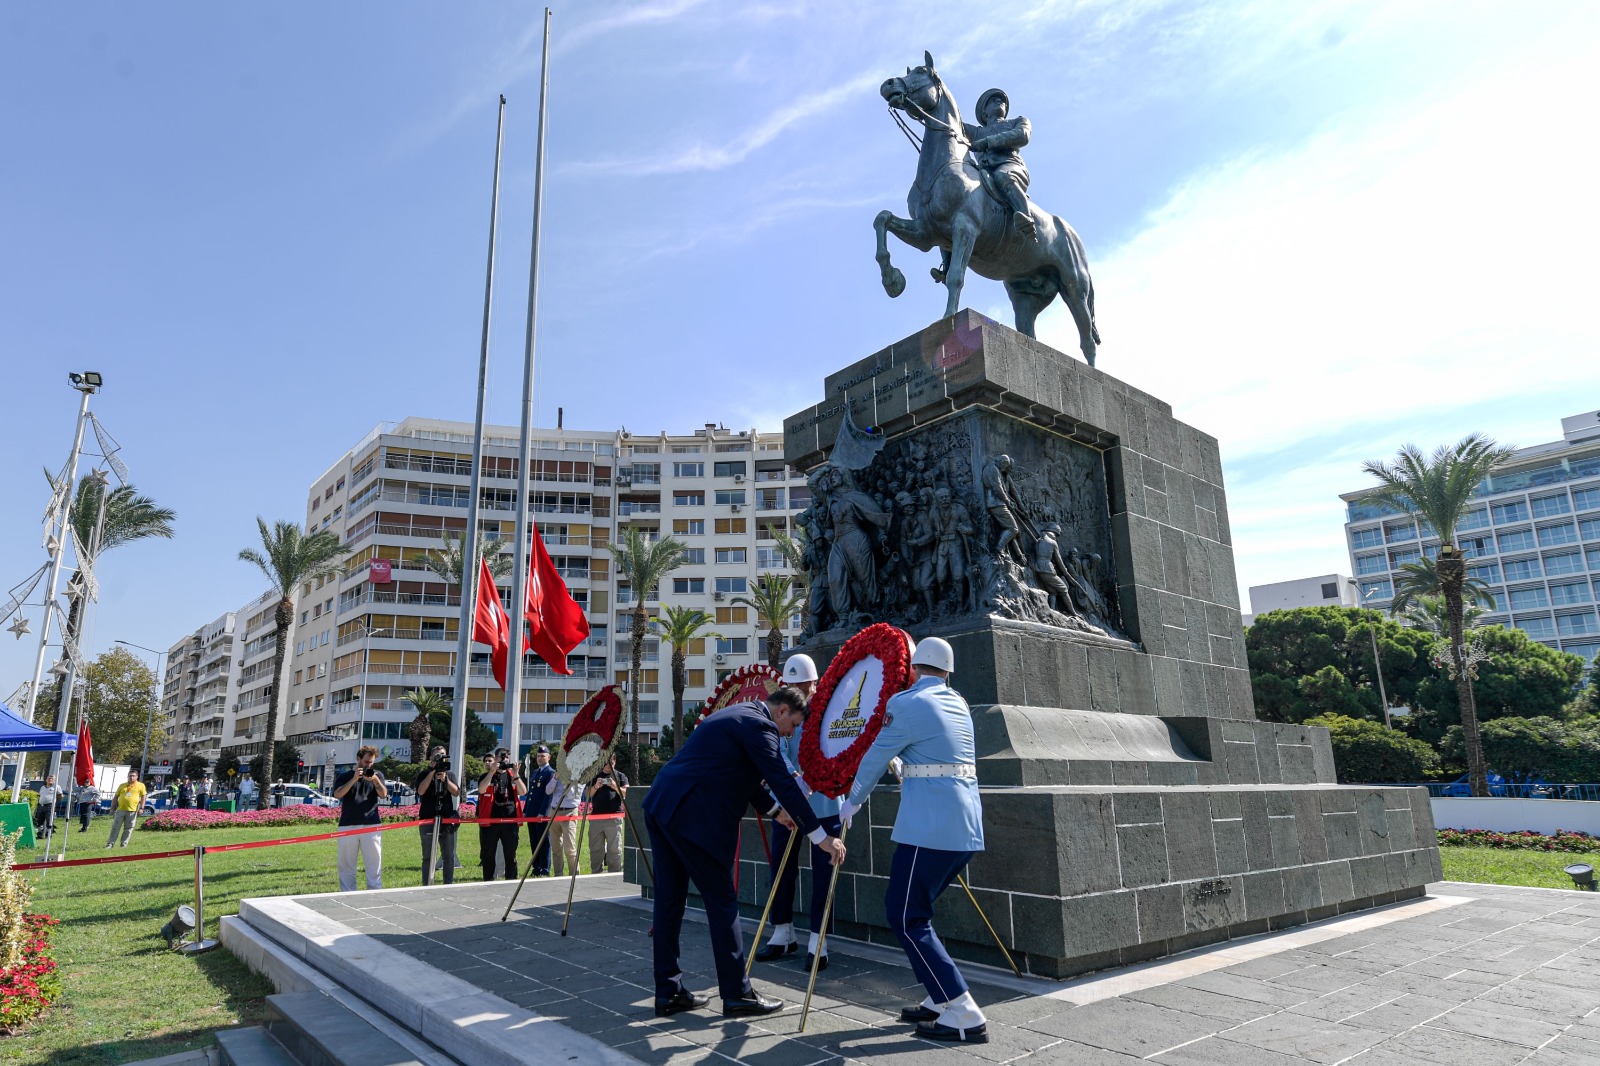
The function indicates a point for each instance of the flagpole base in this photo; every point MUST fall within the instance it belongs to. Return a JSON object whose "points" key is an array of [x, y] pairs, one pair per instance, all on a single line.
{"points": [[199, 947]]}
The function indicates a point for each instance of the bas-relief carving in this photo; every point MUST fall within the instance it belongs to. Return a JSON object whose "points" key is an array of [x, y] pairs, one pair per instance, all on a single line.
{"points": [[974, 516]]}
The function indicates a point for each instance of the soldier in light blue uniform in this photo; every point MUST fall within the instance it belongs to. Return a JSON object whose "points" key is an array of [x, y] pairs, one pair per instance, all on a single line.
{"points": [[938, 829], [800, 672]]}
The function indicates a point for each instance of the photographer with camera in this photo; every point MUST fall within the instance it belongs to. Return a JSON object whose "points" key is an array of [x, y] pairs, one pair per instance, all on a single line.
{"points": [[606, 796], [436, 799], [358, 791], [498, 794]]}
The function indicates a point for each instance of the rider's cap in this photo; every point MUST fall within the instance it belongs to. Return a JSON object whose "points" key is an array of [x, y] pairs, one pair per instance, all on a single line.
{"points": [[990, 94]]}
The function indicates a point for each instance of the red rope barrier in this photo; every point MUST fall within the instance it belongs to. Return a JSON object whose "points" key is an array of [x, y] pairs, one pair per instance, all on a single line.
{"points": [[109, 858]]}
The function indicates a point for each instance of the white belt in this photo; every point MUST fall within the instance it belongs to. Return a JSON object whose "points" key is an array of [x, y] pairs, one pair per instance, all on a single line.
{"points": [[941, 769]]}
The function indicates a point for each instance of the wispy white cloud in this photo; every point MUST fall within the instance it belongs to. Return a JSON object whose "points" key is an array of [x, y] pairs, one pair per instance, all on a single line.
{"points": [[631, 16], [702, 156]]}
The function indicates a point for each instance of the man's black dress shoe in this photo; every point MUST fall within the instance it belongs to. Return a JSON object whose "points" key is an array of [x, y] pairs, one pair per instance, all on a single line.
{"points": [[679, 1003], [757, 1004], [978, 1034], [812, 958], [776, 951], [919, 1013]]}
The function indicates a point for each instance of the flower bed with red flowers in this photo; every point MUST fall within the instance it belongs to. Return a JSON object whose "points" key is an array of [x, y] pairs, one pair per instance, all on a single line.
{"points": [[299, 814], [1527, 840], [32, 985], [833, 777]]}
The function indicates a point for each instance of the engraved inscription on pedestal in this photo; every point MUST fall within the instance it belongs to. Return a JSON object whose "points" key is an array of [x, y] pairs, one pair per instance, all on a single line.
{"points": [[1211, 905]]}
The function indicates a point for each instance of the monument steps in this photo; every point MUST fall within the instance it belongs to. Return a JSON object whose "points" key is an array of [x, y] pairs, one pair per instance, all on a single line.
{"points": [[253, 1046]]}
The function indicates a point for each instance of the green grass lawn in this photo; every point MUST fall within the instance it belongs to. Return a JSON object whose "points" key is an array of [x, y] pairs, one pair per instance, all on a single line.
{"points": [[1496, 866], [127, 997]]}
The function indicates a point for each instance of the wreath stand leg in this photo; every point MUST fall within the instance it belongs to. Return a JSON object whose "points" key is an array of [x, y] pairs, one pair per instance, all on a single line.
{"points": [[750, 956], [822, 946], [542, 837], [644, 854], [998, 942], [577, 857]]}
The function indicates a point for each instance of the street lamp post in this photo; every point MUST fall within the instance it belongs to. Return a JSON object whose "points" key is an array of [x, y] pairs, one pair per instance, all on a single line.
{"points": [[161, 691], [1377, 663]]}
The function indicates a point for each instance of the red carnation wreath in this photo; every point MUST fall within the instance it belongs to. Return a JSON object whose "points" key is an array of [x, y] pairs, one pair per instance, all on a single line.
{"points": [[746, 683], [594, 731], [891, 647]]}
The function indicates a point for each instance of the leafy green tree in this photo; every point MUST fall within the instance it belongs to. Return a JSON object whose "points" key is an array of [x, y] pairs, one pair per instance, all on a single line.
{"points": [[1369, 752], [1516, 677], [1288, 649], [285, 764], [679, 627], [118, 703], [1555, 749], [229, 762], [1587, 702], [480, 739], [427, 703], [288, 558], [195, 766], [775, 599], [1437, 490], [642, 562]]}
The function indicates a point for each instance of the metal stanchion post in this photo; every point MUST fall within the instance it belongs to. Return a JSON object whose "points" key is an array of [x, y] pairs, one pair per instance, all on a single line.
{"points": [[200, 943]]}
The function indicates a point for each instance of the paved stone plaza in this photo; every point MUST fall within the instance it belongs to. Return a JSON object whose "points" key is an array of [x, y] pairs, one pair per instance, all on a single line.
{"points": [[1471, 974]]}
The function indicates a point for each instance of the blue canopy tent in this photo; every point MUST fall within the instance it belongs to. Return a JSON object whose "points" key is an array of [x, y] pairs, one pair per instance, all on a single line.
{"points": [[17, 735]]}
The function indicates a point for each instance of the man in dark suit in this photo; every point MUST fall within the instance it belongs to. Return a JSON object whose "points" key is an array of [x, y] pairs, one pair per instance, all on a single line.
{"points": [[693, 813]]}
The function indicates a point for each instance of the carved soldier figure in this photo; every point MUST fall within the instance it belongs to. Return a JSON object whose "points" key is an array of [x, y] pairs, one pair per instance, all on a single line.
{"points": [[916, 534], [996, 149], [815, 563], [1000, 499], [1048, 567], [952, 526], [852, 569]]}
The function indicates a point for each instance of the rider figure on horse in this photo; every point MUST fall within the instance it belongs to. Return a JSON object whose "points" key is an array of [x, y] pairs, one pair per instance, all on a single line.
{"points": [[996, 150]]}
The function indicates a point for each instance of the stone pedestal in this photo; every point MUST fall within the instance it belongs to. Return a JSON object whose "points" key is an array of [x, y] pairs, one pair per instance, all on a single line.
{"points": [[1133, 806]]}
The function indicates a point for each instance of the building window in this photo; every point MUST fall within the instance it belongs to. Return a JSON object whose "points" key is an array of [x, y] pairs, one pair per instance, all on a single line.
{"points": [[689, 499], [1474, 519], [1545, 506], [1571, 592], [1372, 564], [689, 527], [688, 470], [732, 584], [1516, 541], [1489, 573], [1472, 547], [727, 496], [1376, 590], [1587, 499], [1520, 569], [1528, 599], [1398, 533], [1560, 533], [1539, 627], [1330, 590], [725, 526], [1515, 511], [1577, 625], [688, 586], [694, 556], [729, 469], [1366, 538], [1401, 558], [733, 616], [1565, 563], [1589, 529], [730, 555], [733, 645]]}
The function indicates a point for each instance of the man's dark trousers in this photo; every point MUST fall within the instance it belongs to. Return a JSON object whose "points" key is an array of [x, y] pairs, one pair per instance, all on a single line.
{"points": [[677, 862], [540, 863], [821, 874], [503, 837]]}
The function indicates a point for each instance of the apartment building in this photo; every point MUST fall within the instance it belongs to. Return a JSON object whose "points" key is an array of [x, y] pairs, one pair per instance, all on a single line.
{"points": [[387, 624], [1532, 536], [199, 689]]}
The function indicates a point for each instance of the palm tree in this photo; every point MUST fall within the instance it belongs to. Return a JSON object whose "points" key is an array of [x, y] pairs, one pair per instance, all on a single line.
{"points": [[775, 600], [449, 561], [1437, 490], [642, 563], [1430, 614], [793, 549], [1421, 579], [682, 626], [289, 558], [427, 702], [129, 517]]}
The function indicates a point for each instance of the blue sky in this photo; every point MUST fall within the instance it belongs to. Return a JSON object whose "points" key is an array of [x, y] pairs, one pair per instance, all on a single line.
{"points": [[1318, 230]]}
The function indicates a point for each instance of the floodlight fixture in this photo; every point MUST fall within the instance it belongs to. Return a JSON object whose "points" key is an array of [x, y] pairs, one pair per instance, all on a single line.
{"points": [[1582, 875], [86, 381], [178, 927]]}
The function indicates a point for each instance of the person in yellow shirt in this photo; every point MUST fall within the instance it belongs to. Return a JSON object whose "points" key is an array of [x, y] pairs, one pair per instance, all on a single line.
{"points": [[125, 808]]}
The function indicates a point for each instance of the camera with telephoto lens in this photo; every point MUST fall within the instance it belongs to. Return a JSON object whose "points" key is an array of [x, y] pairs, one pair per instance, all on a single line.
{"points": [[441, 763], [505, 759]]}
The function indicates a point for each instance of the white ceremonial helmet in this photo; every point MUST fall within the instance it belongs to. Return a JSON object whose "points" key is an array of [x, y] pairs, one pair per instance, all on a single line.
{"points": [[799, 669], [934, 652]]}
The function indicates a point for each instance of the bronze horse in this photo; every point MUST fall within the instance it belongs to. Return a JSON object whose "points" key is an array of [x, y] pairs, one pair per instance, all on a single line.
{"points": [[951, 210]]}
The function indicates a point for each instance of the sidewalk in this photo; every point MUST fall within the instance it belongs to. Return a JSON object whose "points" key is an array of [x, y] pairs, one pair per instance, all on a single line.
{"points": [[1473, 974]]}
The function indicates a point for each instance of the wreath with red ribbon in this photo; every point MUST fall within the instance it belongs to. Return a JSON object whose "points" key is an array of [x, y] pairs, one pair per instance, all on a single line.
{"points": [[890, 646], [594, 731], [755, 682]]}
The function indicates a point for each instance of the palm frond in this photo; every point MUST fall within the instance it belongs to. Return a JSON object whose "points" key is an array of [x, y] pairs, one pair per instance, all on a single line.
{"points": [[449, 561], [1437, 489], [775, 599], [129, 517]]}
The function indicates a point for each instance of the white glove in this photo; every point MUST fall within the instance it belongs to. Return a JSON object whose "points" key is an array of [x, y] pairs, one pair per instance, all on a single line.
{"points": [[897, 766], [847, 812]]}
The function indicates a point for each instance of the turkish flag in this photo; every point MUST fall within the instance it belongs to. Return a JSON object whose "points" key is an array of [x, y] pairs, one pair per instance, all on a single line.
{"points": [[556, 623], [490, 623], [83, 762]]}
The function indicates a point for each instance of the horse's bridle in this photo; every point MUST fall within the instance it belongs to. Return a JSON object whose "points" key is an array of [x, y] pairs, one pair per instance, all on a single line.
{"points": [[923, 117]]}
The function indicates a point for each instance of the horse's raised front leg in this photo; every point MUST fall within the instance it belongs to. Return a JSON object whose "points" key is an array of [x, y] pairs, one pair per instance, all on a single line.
{"points": [[962, 236], [894, 282]]}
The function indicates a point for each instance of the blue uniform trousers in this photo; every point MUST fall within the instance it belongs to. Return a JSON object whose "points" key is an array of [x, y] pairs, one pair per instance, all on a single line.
{"points": [[677, 862], [916, 877], [821, 875]]}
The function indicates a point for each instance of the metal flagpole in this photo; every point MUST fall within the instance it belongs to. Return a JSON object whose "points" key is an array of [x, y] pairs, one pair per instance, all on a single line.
{"points": [[469, 543], [511, 727], [70, 474]]}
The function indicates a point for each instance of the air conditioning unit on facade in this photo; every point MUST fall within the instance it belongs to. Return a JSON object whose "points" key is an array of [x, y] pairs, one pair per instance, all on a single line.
{"points": [[738, 478], [721, 658], [717, 595], [598, 642], [735, 508]]}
